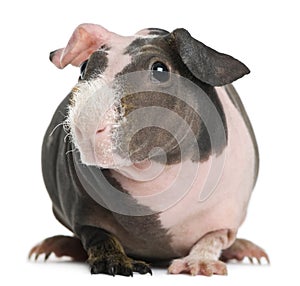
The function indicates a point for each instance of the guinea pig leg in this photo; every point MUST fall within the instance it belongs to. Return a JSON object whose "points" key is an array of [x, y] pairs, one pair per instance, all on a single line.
{"points": [[203, 258], [106, 254], [242, 248], [60, 245]]}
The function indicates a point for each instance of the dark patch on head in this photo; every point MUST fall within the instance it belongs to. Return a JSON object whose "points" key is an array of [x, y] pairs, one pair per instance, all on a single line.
{"points": [[153, 136], [136, 45], [163, 49], [157, 31], [96, 64]]}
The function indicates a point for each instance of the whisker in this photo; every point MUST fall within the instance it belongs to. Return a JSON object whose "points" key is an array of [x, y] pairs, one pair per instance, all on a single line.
{"points": [[71, 151], [58, 125], [67, 135]]}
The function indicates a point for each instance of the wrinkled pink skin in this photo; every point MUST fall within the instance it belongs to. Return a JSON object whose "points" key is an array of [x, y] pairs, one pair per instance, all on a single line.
{"points": [[199, 245]]}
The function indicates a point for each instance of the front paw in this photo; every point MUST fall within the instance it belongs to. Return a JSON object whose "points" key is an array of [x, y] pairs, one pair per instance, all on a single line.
{"points": [[194, 266], [115, 262], [60, 245]]}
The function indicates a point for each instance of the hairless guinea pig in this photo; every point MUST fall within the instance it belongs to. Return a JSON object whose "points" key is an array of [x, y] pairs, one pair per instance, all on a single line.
{"points": [[151, 158]]}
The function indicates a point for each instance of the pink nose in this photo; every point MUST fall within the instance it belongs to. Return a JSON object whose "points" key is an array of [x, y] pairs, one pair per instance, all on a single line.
{"points": [[103, 130]]}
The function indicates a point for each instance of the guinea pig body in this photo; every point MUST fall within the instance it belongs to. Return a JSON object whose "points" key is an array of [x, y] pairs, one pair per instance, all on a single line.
{"points": [[158, 171]]}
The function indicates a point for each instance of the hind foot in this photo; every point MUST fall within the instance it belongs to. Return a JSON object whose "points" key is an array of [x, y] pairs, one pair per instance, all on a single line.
{"points": [[60, 245], [242, 248]]}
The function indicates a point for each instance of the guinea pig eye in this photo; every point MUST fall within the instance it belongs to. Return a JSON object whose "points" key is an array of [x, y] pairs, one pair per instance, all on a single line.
{"points": [[82, 69], [160, 72]]}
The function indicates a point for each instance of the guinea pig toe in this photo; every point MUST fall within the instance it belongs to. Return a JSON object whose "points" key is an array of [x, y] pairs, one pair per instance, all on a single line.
{"points": [[141, 267], [210, 267], [199, 266], [178, 266]]}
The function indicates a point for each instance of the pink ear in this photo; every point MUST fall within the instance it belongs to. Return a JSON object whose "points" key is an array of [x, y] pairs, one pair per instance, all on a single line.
{"points": [[86, 39]]}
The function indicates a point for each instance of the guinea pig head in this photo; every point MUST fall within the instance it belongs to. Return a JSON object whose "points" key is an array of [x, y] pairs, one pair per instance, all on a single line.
{"points": [[137, 98]]}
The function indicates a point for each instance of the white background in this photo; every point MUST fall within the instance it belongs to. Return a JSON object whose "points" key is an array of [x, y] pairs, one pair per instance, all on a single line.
{"points": [[262, 34]]}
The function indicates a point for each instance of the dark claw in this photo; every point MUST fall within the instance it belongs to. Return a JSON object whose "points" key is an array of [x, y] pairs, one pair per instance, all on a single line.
{"points": [[97, 268], [47, 256], [112, 271], [127, 272], [142, 268], [93, 270]]}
